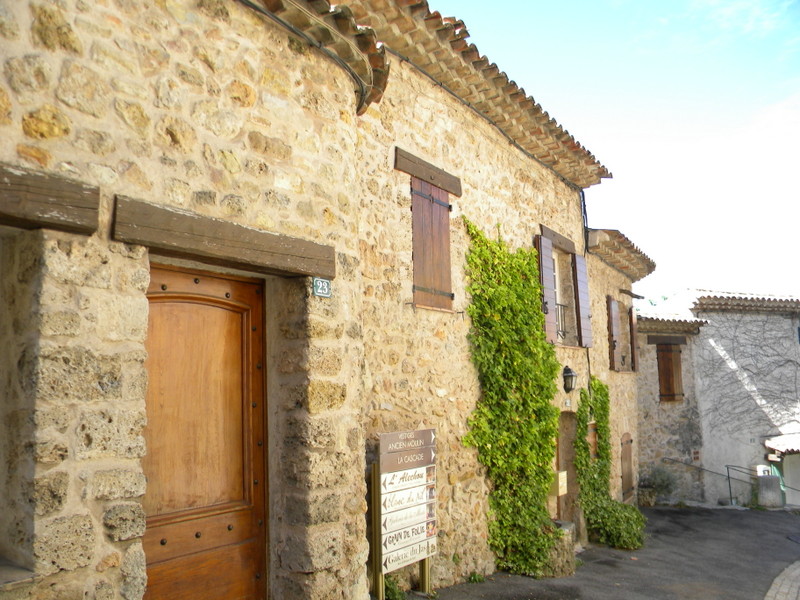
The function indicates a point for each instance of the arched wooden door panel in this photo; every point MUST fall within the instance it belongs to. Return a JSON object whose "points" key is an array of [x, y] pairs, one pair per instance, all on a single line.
{"points": [[206, 442], [565, 456]]}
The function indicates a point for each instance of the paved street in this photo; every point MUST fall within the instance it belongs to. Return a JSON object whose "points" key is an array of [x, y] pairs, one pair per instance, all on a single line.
{"points": [[690, 553]]}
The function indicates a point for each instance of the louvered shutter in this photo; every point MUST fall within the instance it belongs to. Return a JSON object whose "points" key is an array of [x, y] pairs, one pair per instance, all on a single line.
{"points": [[431, 245], [581, 279], [614, 350], [670, 379], [634, 339], [547, 276]]}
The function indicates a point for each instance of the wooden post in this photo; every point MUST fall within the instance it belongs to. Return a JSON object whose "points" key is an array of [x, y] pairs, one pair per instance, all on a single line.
{"points": [[425, 576], [378, 588]]}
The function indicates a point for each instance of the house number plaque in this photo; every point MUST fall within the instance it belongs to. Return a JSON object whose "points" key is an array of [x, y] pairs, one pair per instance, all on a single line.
{"points": [[321, 287]]}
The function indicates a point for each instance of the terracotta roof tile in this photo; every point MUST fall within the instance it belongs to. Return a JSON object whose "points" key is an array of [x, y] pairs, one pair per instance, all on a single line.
{"points": [[646, 324], [404, 25], [720, 301], [335, 28], [621, 253]]}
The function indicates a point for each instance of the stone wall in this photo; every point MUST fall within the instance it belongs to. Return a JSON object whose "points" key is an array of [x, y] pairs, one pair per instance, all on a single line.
{"points": [[606, 281], [161, 101], [79, 315], [318, 543], [671, 429], [19, 293], [747, 365], [739, 382], [418, 371], [203, 106]]}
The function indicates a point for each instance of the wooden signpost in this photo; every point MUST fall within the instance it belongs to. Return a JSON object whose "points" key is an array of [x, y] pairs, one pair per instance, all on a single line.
{"points": [[404, 505]]}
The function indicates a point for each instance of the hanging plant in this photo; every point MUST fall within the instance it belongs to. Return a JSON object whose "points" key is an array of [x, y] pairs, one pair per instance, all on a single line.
{"points": [[515, 423]]}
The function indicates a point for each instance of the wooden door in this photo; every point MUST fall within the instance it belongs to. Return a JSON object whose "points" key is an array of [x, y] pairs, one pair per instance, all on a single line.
{"points": [[565, 453], [205, 462], [626, 457]]}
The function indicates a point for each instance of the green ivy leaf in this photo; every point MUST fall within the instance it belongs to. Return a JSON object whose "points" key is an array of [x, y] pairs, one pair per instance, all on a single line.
{"points": [[515, 424]]}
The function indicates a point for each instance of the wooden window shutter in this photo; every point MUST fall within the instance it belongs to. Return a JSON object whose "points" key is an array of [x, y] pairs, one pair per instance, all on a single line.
{"points": [[626, 456], [634, 339], [614, 350], [547, 275], [670, 379], [591, 439], [431, 245], [581, 279]]}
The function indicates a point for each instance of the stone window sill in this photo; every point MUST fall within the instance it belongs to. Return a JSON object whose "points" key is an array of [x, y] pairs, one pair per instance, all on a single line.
{"points": [[12, 576]]}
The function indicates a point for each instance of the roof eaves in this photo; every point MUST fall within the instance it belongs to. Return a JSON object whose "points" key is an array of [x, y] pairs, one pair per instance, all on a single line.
{"points": [[400, 24], [618, 251], [335, 32], [646, 324], [744, 303]]}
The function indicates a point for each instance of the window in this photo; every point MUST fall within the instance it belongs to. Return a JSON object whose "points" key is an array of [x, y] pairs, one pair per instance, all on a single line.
{"points": [[431, 245], [623, 350], [668, 355], [566, 333], [565, 290], [430, 205], [670, 378]]}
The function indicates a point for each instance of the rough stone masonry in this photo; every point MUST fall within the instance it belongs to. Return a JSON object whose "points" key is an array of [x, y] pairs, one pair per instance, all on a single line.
{"points": [[205, 107]]}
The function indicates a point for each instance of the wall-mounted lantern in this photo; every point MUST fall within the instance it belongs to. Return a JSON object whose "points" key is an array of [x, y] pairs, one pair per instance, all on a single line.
{"points": [[570, 379]]}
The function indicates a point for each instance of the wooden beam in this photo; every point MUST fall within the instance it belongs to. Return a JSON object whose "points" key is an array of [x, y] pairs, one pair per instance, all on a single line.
{"points": [[561, 242], [416, 167], [667, 339], [630, 293], [33, 200], [173, 232]]}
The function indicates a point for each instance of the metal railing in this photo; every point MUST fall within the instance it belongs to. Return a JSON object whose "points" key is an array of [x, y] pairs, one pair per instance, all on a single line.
{"points": [[726, 475], [728, 468], [737, 469], [561, 320]]}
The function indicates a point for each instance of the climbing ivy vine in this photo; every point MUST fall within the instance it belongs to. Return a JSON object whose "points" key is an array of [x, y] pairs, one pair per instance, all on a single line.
{"points": [[614, 523], [515, 424]]}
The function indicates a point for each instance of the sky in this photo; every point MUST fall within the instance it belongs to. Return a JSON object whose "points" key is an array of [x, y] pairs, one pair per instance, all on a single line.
{"points": [[693, 105]]}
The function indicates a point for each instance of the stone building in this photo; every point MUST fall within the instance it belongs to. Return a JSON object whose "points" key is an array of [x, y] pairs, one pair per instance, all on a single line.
{"points": [[173, 175], [669, 419], [721, 395], [615, 263]]}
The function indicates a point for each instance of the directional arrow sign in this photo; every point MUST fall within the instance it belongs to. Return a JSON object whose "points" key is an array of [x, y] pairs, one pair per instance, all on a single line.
{"points": [[410, 459], [408, 555], [409, 516], [408, 536], [405, 498], [400, 480]]}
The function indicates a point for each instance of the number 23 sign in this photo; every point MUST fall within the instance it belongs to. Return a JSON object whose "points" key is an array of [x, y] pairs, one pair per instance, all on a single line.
{"points": [[321, 287]]}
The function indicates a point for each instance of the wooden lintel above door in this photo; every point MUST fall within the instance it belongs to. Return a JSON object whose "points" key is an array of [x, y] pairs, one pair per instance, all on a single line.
{"points": [[173, 232]]}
